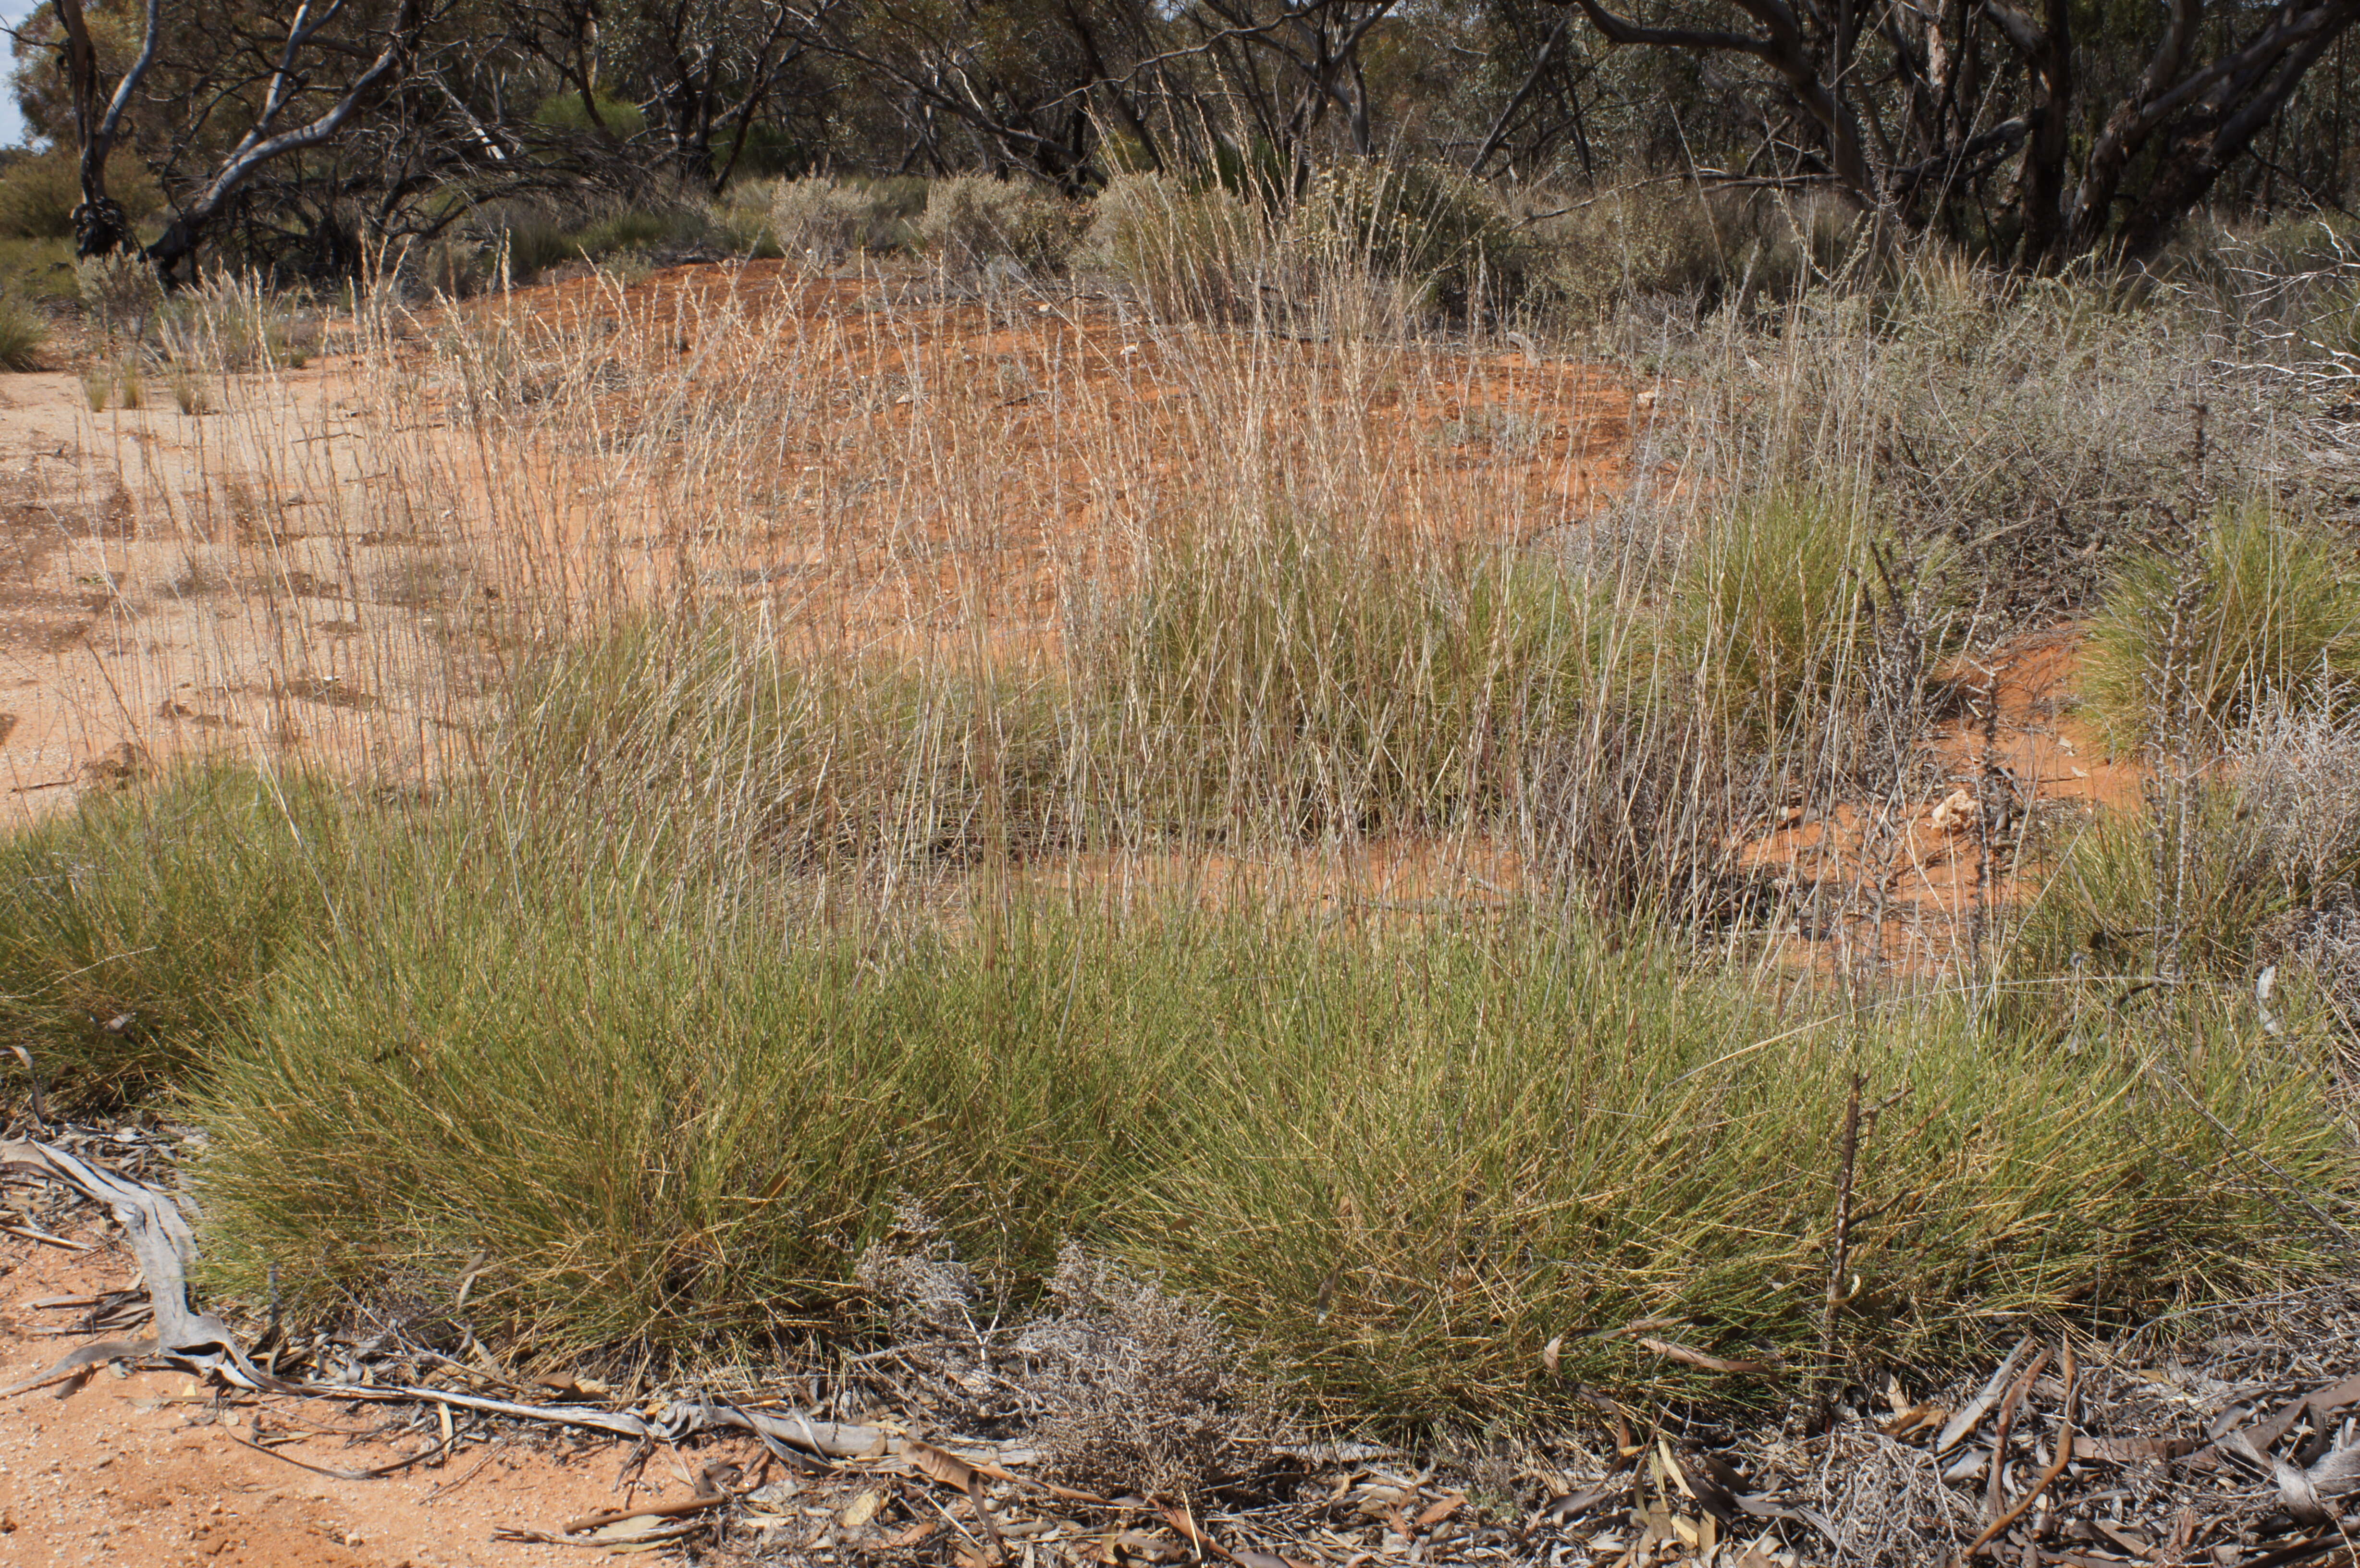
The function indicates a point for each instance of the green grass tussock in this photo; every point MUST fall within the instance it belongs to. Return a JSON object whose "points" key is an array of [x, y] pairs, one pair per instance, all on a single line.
{"points": [[2252, 864], [667, 1134], [23, 334], [723, 737], [140, 931], [1445, 1158], [1772, 617], [661, 1104], [1288, 673], [1272, 681], [2195, 640]]}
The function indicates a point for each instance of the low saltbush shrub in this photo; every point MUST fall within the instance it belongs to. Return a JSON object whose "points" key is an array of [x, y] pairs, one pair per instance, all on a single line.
{"points": [[972, 221]]}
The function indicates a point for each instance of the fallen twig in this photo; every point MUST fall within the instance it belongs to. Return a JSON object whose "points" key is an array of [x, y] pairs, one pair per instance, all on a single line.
{"points": [[603, 1543], [685, 1507], [372, 1474], [1999, 1526]]}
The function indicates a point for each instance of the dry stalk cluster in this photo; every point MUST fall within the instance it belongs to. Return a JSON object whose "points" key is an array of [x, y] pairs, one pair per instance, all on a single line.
{"points": [[1119, 1385]]}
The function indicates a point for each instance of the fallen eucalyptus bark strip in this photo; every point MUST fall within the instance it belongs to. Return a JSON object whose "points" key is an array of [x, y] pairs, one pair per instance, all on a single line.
{"points": [[605, 1542], [161, 1240], [2300, 1551]]}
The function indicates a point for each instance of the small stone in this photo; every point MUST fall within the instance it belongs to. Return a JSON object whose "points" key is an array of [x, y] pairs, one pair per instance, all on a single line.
{"points": [[1956, 811]]}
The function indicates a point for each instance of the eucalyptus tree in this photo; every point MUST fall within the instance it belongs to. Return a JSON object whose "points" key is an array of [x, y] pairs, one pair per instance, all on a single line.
{"points": [[2064, 127]]}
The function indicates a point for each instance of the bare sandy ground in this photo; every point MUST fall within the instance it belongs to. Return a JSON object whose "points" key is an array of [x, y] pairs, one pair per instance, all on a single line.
{"points": [[170, 580], [150, 1468]]}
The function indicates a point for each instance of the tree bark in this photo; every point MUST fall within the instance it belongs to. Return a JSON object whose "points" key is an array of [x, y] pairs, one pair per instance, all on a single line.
{"points": [[100, 226]]}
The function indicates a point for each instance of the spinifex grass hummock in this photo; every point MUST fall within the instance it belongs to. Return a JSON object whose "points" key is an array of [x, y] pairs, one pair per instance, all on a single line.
{"points": [[1399, 1156]]}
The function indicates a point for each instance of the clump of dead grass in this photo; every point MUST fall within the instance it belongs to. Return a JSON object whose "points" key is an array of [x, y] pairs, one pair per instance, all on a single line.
{"points": [[1140, 1389], [2041, 430]]}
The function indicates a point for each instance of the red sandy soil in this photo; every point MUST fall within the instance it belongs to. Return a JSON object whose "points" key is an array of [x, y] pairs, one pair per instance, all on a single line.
{"points": [[153, 1468], [1931, 860]]}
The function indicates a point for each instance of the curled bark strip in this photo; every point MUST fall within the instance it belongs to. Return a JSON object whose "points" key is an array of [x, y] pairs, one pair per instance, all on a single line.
{"points": [[161, 1240], [2006, 1424], [1954, 1432], [1999, 1526], [203, 1344]]}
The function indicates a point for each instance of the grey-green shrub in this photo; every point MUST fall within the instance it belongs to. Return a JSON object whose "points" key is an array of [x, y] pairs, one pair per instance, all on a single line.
{"points": [[972, 221], [822, 220], [1445, 236], [1185, 254]]}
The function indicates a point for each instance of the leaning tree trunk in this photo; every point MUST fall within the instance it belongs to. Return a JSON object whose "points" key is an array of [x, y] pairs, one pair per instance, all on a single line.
{"points": [[178, 244], [100, 226]]}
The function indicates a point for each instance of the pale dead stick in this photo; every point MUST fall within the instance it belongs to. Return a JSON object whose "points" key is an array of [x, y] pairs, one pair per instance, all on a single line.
{"points": [[670, 1533], [44, 1237], [1749, 1050]]}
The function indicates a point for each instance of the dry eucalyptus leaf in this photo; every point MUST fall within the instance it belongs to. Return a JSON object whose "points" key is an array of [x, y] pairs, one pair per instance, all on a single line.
{"points": [[1681, 1353], [942, 1464]]}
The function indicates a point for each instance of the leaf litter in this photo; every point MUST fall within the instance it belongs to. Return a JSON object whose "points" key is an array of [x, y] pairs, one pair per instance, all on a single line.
{"points": [[2228, 1436]]}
